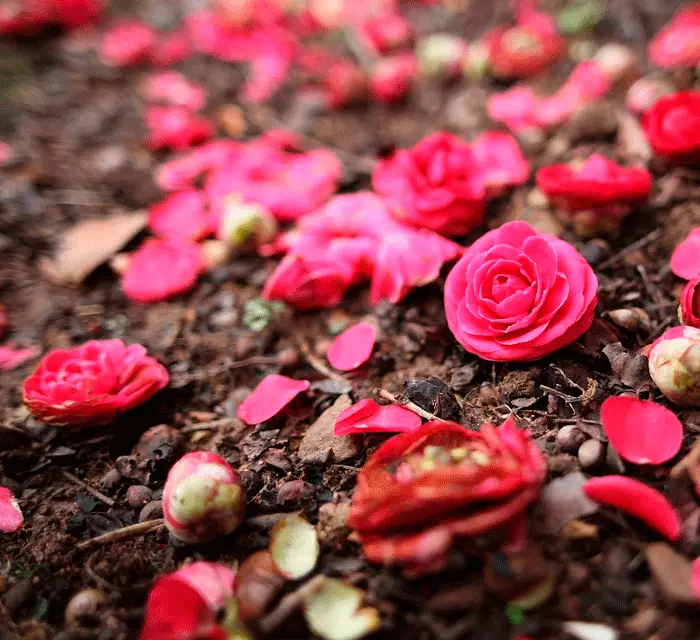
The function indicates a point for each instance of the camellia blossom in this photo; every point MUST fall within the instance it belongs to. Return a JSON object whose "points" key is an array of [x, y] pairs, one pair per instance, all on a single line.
{"points": [[190, 603], [386, 32], [393, 77], [685, 261], [689, 310], [128, 43], [170, 49], [424, 491], [641, 431], [269, 398], [597, 194], [518, 294], [11, 518], [203, 498], [171, 87], [369, 417], [638, 500], [501, 162], [674, 365], [183, 171], [162, 268], [678, 43], [437, 184], [182, 216], [672, 126], [92, 384], [175, 127], [353, 347]]}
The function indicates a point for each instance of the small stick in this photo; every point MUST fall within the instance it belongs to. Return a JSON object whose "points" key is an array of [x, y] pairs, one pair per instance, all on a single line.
{"points": [[125, 532], [642, 242], [411, 406], [318, 364], [84, 485], [212, 425], [290, 603]]}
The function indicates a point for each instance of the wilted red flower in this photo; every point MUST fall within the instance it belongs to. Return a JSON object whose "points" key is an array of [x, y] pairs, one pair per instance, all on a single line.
{"points": [[685, 261], [171, 87], [93, 383], [437, 184], [367, 416], [160, 269], [11, 518], [501, 162], [128, 43], [182, 215], [393, 77], [600, 189], [386, 32], [423, 491], [672, 126], [689, 310], [176, 128], [190, 604], [678, 43], [518, 294]]}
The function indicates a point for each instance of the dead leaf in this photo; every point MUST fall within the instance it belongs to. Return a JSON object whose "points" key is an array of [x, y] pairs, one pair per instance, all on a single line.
{"points": [[319, 440], [632, 369], [563, 500], [88, 244]]}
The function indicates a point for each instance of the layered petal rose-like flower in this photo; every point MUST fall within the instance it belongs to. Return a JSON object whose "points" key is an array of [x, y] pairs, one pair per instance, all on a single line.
{"points": [[518, 294], [436, 184], [522, 52], [92, 384], [678, 43], [501, 162], [689, 311], [424, 491], [672, 126]]}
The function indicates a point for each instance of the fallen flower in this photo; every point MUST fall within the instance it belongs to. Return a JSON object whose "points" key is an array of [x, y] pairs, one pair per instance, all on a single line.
{"points": [[636, 499], [11, 518], [393, 77], [93, 383], [269, 398], [674, 365], [12, 357], [161, 269], [367, 416], [175, 127], [170, 49], [676, 44], [386, 32], [182, 216], [353, 347], [203, 498], [641, 431], [128, 43], [672, 126], [685, 261], [424, 491], [501, 162], [195, 602], [689, 310], [518, 294], [185, 170], [437, 184], [171, 87]]}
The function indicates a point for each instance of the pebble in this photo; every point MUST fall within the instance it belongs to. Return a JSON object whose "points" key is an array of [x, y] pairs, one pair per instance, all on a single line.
{"points": [[138, 496], [591, 454], [152, 511], [595, 251], [570, 438], [110, 480], [84, 604]]}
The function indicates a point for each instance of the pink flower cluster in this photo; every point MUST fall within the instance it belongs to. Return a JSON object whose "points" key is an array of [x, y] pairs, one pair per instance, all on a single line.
{"points": [[29, 17], [130, 43], [678, 43]]}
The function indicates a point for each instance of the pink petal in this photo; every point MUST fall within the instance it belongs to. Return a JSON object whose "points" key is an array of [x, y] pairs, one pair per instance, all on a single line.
{"points": [[182, 216], [11, 519], [685, 261], [353, 347], [638, 500], [641, 431], [12, 357], [269, 398], [695, 578], [368, 417]]}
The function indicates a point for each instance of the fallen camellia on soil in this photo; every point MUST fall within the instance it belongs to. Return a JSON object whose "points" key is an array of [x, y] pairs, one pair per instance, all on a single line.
{"points": [[369, 417], [92, 384], [11, 518], [674, 365], [203, 498], [672, 127], [676, 45], [269, 398], [424, 492]]}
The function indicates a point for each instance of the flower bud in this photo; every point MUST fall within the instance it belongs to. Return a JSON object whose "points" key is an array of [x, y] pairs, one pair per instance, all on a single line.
{"points": [[203, 498], [674, 365], [243, 222], [440, 55], [393, 77], [689, 311], [476, 60]]}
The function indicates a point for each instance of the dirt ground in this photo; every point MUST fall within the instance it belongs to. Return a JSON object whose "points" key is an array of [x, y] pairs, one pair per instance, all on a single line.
{"points": [[77, 129]]}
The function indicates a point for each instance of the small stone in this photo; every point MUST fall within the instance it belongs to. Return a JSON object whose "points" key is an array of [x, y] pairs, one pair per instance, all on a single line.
{"points": [[84, 606], [433, 395], [577, 574], [537, 199], [332, 524], [152, 511], [672, 573], [592, 120], [595, 251], [17, 596], [563, 500], [591, 454], [138, 496], [463, 377], [110, 480], [488, 395], [320, 442], [570, 438]]}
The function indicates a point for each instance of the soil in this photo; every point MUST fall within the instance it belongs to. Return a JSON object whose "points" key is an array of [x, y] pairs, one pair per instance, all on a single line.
{"points": [[76, 127]]}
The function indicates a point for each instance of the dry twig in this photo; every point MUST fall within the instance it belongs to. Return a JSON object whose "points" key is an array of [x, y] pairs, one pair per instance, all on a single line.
{"points": [[138, 529], [84, 485], [407, 404]]}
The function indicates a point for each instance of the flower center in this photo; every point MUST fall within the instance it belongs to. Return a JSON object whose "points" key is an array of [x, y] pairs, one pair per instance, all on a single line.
{"points": [[521, 40], [434, 456]]}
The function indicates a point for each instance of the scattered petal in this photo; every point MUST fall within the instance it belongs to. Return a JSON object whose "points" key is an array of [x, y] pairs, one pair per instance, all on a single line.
{"points": [[182, 216], [369, 417], [353, 347], [294, 547], [269, 398], [12, 357], [685, 261], [175, 127], [171, 87], [695, 580], [11, 518], [128, 43]]}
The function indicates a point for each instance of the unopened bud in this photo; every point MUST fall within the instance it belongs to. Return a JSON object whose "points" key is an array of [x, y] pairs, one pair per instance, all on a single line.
{"points": [[203, 498], [674, 365], [244, 222], [476, 60], [440, 55]]}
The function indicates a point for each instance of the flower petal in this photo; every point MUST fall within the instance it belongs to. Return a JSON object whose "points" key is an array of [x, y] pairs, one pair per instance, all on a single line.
{"points": [[353, 347], [369, 417], [269, 398], [11, 518]]}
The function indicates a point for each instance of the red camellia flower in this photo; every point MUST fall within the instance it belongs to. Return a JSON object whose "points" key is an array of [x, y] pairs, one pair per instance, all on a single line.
{"points": [[92, 384], [689, 310], [678, 43], [423, 491], [518, 294], [672, 126], [521, 52], [393, 77], [386, 32], [436, 184], [598, 192]]}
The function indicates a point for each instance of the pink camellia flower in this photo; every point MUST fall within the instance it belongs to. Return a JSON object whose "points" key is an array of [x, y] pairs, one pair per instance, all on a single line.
{"points": [[203, 498], [518, 294], [160, 269], [353, 347], [674, 365], [641, 431], [170, 49], [386, 32], [269, 67], [678, 43], [501, 162], [176, 127], [92, 384], [171, 87], [597, 194], [369, 417], [638, 500], [515, 107], [269, 398], [128, 43], [521, 51], [685, 261], [182, 215], [672, 126], [185, 170], [11, 518], [437, 184], [393, 77], [345, 83], [191, 604], [689, 311]]}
